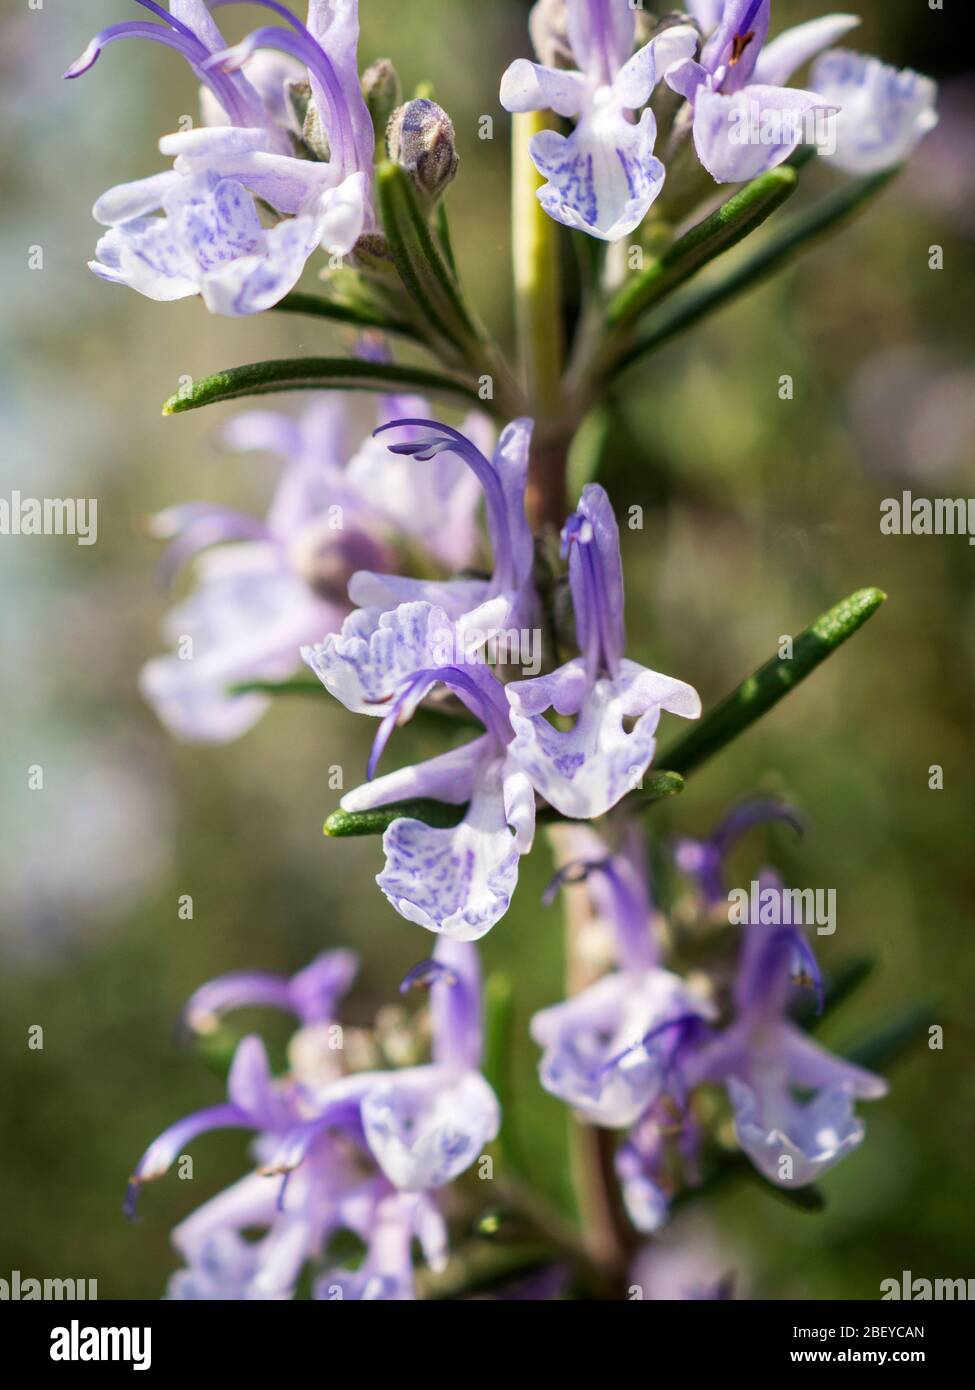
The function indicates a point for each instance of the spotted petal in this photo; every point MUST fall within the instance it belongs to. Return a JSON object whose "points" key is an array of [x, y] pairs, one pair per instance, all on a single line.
{"points": [[884, 113], [426, 1125], [585, 770], [603, 177]]}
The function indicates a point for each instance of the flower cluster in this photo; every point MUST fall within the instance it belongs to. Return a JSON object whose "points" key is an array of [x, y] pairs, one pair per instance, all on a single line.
{"points": [[414, 568], [361, 1152]]}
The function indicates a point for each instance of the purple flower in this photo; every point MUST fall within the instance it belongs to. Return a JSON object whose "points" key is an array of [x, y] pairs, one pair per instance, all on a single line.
{"points": [[266, 588], [884, 113], [612, 1050], [616, 704], [745, 120], [603, 177], [704, 860], [456, 881], [361, 1153], [502, 479], [792, 1100], [209, 238]]}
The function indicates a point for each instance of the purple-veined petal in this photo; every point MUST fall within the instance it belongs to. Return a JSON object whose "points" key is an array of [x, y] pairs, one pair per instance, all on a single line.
{"points": [[384, 592], [586, 770], [377, 653], [592, 539], [741, 136], [449, 777], [528, 86], [787, 53], [458, 881], [147, 255], [603, 177], [601, 35], [286, 183], [426, 1125], [594, 1055], [884, 113]]}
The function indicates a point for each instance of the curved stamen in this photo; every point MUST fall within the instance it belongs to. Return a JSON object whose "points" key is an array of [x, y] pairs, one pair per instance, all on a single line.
{"points": [[169, 19], [184, 42], [491, 712], [427, 973], [789, 944], [447, 440], [301, 45], [687, 1025]]}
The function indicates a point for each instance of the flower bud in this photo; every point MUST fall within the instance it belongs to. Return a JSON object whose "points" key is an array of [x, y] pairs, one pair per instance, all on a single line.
{"points": [[548, 25], [382, 92], [420, 139], [304, 114]]}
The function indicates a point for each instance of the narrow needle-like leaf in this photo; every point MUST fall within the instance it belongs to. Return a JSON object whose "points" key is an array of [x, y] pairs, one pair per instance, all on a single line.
{"points": [[315, 374]]}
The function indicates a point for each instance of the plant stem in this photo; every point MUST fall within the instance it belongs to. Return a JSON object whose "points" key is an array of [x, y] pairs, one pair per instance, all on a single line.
{"points": [[607, 1236], [538, 321]]}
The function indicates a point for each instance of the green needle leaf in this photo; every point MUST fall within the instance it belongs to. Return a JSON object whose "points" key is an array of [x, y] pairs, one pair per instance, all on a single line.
{"points": [[771, 682], [343, 825], [315, 374], [802, 232], [422, 266], [361, 315], [296, 686], [725, 228], [889, 1044]]}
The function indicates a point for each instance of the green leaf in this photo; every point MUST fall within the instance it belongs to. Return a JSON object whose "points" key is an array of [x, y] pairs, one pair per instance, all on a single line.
{"points": [[359, 315], [315, 374], [731, 223], [421, 265], [771, 682], [343, 825], [297, 686], [801, 233], [890, 1043]]}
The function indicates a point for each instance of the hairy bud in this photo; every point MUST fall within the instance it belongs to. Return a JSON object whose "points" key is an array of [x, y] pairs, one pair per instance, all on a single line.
{"points": [[420, 138], [382, 92]]}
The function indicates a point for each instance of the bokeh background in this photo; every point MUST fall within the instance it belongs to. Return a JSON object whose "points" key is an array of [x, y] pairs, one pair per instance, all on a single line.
{"points": [[759, 515]]}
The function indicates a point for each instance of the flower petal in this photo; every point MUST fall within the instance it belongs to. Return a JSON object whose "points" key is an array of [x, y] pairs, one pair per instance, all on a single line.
{"points": [[785, 55], [426, 1125], [885, 113], [602, 178], [528, 86], [741, 136]]}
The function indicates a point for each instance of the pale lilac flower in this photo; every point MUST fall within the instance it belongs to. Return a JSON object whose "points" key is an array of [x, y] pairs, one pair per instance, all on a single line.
{"points": [[361, 1153], [603, 177], [884, 113], [745, 119], [266, 588], [704, 860], [583, 771], [209, 238], [457, 881], [767, 1064], [611, 1051]]}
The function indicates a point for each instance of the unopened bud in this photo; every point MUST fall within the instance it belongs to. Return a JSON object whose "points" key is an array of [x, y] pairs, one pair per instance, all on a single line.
{"points": [[548, 25], [304, 114], [382, 92], [420, 139]]}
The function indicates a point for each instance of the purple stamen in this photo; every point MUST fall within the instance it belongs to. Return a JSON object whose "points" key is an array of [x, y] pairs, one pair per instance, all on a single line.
{"points": [[301, 45], [427, 973], [492, 713], [448, 440]]}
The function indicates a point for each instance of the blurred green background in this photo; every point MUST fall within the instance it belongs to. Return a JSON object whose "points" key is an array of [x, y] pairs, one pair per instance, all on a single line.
{"points": [[760, 514]]}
